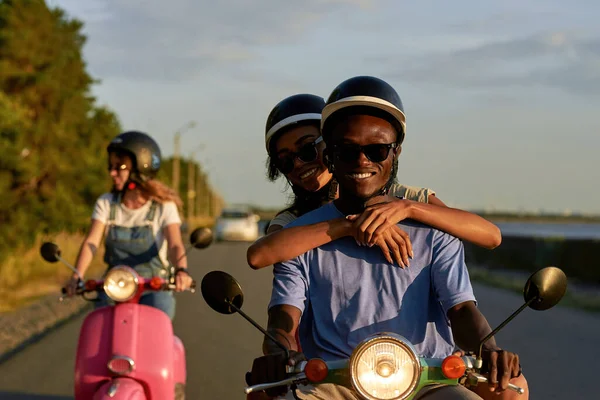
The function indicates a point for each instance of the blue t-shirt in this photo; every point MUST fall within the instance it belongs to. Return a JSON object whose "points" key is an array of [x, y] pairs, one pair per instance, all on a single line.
{"points": [[347, 292]]}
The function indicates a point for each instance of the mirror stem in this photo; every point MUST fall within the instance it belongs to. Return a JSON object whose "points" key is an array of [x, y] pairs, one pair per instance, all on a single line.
{"points": [[479, 362], [260, 328], [72, 268]]}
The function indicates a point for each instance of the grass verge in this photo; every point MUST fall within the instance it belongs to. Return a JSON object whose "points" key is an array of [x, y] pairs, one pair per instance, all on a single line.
{"points": [[26, 277]]}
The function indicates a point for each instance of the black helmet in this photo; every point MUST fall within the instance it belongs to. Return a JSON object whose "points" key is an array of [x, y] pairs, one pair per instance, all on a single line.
{"points": [[143, 150], [293, 110], [367, 91]]}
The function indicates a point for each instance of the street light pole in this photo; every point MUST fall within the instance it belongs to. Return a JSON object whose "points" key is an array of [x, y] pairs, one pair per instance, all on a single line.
{"points": [[176, 153], [212, 199], [176, 162], [191, 189], [199, 191], [190, 192]]}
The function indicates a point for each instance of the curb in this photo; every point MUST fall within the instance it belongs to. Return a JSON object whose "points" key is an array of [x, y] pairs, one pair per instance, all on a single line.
{"points": [[27, 325]]}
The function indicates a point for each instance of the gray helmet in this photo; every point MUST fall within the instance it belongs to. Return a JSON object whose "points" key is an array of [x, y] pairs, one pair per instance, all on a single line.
{"points": [[142, 149]]}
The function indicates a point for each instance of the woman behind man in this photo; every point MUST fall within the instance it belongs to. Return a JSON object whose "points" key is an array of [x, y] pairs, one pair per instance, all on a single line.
{"points": [[295, 150]]}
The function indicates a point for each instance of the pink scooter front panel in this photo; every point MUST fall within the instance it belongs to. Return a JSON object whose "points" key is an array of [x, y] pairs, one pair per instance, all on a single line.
{"points": [[180, 373], [140, 332]]}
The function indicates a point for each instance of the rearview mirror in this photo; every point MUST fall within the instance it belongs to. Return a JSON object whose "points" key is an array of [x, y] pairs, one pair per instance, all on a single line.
{"points": [[545, 288], [50, 252], [220, 290], [201, 238], [224, 295]]}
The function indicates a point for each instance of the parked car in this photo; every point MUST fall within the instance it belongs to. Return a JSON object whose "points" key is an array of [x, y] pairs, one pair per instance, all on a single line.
{"points": [[237, 224]]}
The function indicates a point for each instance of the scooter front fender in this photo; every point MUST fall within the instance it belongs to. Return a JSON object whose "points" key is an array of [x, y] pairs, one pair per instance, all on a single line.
{"points": [[121, 389]]}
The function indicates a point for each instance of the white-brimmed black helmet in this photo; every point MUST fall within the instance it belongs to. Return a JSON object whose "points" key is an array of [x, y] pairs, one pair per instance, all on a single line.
{"points": [[143, 150], [366, 91], [290, 111]]}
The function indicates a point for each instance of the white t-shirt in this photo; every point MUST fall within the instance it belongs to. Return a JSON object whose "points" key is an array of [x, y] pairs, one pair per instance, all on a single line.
{"points": [[408, 192], [165, 214]]}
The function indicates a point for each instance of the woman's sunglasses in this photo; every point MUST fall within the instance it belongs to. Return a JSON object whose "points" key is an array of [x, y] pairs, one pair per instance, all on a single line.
{"points": [[349, 153], [121, 167], [307, 153]]}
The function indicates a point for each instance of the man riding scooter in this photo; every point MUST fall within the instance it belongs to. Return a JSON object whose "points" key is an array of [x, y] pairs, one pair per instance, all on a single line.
{"points": [[338, 294]]}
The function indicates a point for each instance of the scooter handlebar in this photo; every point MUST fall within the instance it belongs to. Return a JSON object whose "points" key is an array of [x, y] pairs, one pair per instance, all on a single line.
{"points": [[98, 287], [192, 288], [296, 375], [481, 378], [265, 386]]}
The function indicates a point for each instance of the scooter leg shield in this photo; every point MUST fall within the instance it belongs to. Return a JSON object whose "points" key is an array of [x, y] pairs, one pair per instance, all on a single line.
{"points": [[121, 389], [179, 367]]}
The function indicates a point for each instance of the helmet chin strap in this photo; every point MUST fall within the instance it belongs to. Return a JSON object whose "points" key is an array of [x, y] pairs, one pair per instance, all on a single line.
{"points": [[308, 201], [385, 190], [132, 183], [381, 192], [128, 186], [303, 193]]}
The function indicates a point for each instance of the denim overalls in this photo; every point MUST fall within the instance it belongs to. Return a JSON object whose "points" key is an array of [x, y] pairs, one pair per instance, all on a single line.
{"points": [[136, 248]]}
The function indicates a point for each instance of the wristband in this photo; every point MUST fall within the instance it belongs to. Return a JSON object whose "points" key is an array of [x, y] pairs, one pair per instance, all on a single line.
{"points": [[181, 269]]}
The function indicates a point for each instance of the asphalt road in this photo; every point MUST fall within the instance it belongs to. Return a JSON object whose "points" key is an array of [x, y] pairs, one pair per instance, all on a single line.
{"points": [[220, 348]]}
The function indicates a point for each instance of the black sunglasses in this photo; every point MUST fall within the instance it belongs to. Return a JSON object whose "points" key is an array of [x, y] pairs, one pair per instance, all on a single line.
{"points": [[374, 152], [307, 153]]}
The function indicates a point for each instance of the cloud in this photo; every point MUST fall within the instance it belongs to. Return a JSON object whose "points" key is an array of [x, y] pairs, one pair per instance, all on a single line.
{"points": [[557, 60], [507, 17], [176, 41]]}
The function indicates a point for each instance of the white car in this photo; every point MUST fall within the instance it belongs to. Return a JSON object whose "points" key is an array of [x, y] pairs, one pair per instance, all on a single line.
{"points": [[237, 224]]}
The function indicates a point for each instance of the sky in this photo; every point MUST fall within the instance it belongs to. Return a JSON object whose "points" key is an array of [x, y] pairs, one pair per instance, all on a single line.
{"points": [[501, 98]]}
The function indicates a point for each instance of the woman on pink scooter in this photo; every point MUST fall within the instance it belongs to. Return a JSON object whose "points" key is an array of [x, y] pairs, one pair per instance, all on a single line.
{"points": [[139, 220]]}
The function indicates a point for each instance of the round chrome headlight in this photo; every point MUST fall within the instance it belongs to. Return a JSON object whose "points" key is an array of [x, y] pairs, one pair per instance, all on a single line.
{"points": [[121, 283], [385, 366]]}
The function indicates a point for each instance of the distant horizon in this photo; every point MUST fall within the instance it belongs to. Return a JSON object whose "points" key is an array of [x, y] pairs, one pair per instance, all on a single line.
{"points": [[490, 212]]}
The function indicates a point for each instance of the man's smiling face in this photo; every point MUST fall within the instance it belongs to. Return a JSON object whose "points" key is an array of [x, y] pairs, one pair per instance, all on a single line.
{"points": [[362, 147]]}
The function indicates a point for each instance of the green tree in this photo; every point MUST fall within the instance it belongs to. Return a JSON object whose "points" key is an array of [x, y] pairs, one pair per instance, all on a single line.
{"points": [[52, 134]]}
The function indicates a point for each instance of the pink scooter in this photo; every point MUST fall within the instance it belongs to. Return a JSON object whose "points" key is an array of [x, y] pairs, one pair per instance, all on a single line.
{"points": [[128, 351]]}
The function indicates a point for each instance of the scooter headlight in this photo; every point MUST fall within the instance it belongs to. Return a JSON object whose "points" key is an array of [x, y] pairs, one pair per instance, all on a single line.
{"points": [[385, 366], [121, 283]]}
